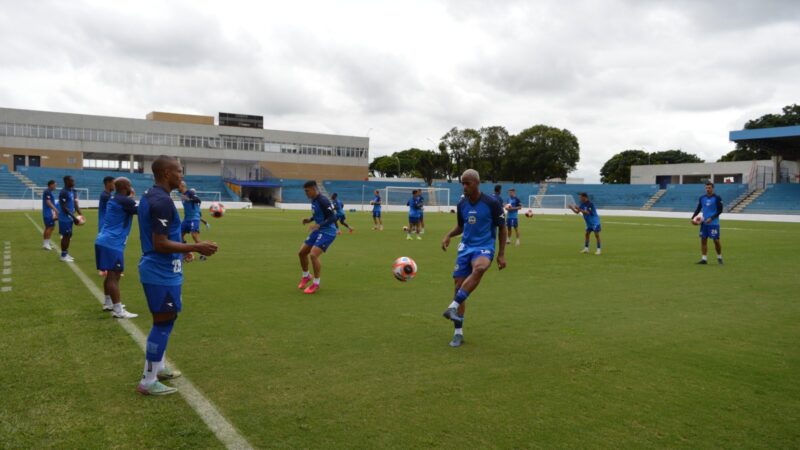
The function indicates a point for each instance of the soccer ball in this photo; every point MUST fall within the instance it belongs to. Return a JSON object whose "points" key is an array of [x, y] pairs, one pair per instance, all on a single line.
{"points": [[698, 219], [80, 220], [217, 210], [529, 213], [405, 228], [404, 268]]}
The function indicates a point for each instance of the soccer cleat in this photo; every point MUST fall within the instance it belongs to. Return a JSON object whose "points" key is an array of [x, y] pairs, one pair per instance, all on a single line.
{"points": [[517, 244], [304, 281], [702, 261], [110, 306], [458, 339], [66, 259], [508, 241], [351, 231], [419, 238], [203, 257], [719, 261], [585, 250], [409, 238], [124, 314], [452, 314], [598, 252], [311, 289], [168, 374], [47, 247], [155, 388]]}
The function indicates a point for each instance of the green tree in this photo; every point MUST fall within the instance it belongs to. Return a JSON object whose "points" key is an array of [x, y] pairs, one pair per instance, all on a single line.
{"points": [[384, 166], [618, 168], [493, 151], [463, 147], [747, 151], [544, 152], [673, 157]]}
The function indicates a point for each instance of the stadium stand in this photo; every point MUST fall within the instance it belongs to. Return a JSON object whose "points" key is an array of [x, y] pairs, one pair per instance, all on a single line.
{"points": [[10, 186], [777, 199], [608, 196], [683, 197]]}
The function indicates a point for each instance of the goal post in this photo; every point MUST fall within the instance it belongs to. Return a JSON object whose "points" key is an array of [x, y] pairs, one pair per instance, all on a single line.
{"points": [[35, 193], [550, 202], [435, 199]]}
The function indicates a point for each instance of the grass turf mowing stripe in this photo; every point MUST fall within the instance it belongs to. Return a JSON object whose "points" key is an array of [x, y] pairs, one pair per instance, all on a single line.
{"points": [[217, 423]]}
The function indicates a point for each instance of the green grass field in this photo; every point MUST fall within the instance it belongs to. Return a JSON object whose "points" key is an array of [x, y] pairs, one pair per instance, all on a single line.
{"points": [[638, 347]]}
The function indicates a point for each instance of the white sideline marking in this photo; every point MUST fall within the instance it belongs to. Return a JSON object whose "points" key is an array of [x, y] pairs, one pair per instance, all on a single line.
{"points": [[5, 289], [6, 271], [219, 425], [6, 280]]}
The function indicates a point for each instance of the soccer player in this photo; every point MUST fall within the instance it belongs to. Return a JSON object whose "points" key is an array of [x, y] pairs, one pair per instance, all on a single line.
{"points": [[105, 196], [711, 205], [160, 269], [592, 220], [376, 211], [191, 214], [497, 191], [479, 217], [109, 246], [49, 214], [68, 216], [338, 206], [323, 233], [421, 203], [512, 216], [414, 209]]}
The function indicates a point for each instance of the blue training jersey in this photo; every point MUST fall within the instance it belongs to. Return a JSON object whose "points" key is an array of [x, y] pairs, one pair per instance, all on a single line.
{"points": [[338, 205], [711, 207], [514, 202], [101, 208], [499, 198], [376, 203], [48, 195], [324, 215], [479, 222], [592, 219], [191, 206], [66, 200], [158, 215], [414, 207], [117, 222]]}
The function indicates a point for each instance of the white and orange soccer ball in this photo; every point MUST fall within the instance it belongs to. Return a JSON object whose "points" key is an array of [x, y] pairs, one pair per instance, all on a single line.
{"points": [[529, 213], [404, 268], [217, 210], [698, 219], [80, 220]]}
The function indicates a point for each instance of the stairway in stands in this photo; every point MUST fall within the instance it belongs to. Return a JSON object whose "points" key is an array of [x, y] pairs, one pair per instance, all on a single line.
{"points": [[24, 180], [652, 201], [737, 207]]}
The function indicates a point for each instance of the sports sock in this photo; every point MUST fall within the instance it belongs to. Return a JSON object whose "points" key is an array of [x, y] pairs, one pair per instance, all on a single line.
{"points": [[461, 296], [156, 346], [719, 256], [117, 307], [453, 304], [306, 275], [150, 373], [316, 281], [586, 244], [598, 246], [459, 332], [703, 257], [63, 253], [107, 300]]}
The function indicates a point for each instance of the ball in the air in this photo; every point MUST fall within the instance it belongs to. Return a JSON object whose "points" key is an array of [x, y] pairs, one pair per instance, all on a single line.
{"points": [[217, 210], [404, 268]]}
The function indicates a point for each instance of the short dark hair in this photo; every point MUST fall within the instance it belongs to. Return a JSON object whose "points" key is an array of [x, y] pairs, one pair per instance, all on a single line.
{"points": [[708, 183], [160, 164], [334, 195], [512, 189], [584, 194], [498, 188], [67, 177], [51, 182], [107, 179], [310, 183]]}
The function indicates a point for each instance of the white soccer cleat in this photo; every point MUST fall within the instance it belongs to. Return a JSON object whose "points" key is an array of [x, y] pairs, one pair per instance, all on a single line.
{"points": [[123, 314], [517, 243], [598, 252], [585, 250], [47, 247], [67, 259], [508, 241]]}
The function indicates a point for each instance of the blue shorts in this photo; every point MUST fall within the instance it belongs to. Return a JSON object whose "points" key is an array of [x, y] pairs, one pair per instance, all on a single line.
{"points": [[421, 215], [596, 228], [190, 226], [376, 213], [465, 257], [413, 220], [340, 216], [317, 239], [162, 298], [109, 258], [65, 228], [48, 220], [512, 222], [709, 231]]}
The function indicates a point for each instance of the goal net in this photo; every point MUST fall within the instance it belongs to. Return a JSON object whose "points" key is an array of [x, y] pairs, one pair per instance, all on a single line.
{"points": [[35, 193], [395, 198], [550, 201], [206, 196]]}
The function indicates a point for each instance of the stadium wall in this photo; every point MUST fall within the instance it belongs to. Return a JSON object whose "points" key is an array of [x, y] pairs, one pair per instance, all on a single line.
{"points": [[310, 171], [49, 158]]}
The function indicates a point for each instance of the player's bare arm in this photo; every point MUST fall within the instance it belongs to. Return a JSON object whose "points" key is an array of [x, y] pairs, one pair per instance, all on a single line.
{"points": [[501, 253], [452, 233], [162, 244]]}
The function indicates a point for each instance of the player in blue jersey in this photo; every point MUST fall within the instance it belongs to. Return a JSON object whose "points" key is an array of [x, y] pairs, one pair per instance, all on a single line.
{"points": [[479, 217], [191, 214], [592, 219], [414, 211], [69, 210], [323, 233], [338, 207], [105, 196], [49, 214], [161, 269], [512, 214], [421, 204], [109, 246], [376, 211], [711, 206]]}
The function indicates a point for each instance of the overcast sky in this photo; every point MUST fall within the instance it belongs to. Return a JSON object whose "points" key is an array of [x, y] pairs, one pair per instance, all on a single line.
{"points": [[651, 75]]}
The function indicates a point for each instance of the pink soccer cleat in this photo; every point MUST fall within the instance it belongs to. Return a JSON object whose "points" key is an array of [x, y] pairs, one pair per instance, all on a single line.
{"points": [[304, 281], [311, 289]]}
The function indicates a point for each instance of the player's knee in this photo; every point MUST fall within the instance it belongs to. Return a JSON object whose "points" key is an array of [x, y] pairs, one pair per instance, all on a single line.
{"points": [[164, 319], [479, 269]]}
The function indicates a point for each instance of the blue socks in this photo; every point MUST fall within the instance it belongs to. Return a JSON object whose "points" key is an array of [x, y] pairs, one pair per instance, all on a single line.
{"points": [[157, 340], [586, 244], [461, 296]]}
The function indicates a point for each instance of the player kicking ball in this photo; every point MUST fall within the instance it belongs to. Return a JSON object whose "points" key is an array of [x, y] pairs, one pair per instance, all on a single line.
{"points": [[479, 217], [323, 233], [592, 219], [711, 206], [161, 270]]}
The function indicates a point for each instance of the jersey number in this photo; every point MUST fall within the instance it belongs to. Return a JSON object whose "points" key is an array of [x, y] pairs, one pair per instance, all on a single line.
{"points": [[176, 266]]}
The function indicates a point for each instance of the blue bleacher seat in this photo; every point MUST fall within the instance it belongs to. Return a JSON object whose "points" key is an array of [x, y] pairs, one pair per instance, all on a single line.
{"points": [[608, 196], [684, 197], [777, 199]]}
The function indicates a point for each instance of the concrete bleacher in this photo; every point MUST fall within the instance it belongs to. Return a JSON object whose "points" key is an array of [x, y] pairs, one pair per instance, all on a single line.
{"points": [[777, 199], [684, 197], [608, 196], [10, 186]]}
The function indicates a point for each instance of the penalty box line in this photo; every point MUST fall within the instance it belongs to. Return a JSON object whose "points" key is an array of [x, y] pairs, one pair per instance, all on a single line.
{"points": [[216, 422]]}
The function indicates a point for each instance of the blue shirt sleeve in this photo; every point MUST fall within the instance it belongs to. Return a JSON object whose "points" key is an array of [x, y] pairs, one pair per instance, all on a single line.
{"points": [[327, 211], [160, 216], [129, 205], [497, 214], [459, 217]]}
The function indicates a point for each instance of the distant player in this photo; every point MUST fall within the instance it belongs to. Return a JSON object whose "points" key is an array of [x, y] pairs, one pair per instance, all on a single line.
{"points": [[512, 214], [421, 203], [589, 212], [67, 216], [323, 233], [479, 217], [414, 211], [498, 189], [161, 269], [105, 196], [338, 206], [49, 214], [711, 206], [191, 214], [109, 246], [376, 211]]}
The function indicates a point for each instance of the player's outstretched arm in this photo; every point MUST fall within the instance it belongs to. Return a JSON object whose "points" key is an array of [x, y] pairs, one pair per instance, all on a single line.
{"points": [[162, 244], [501, 254]]}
